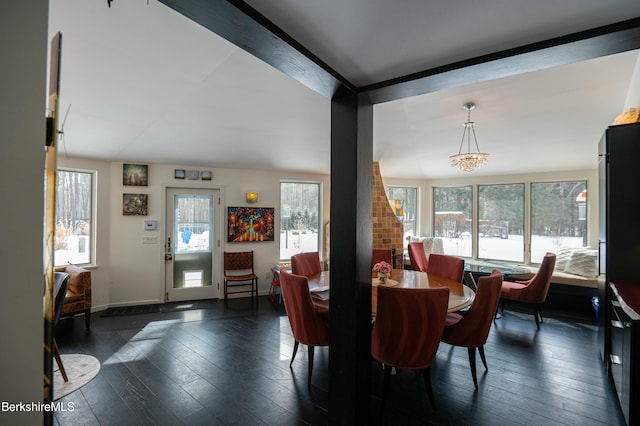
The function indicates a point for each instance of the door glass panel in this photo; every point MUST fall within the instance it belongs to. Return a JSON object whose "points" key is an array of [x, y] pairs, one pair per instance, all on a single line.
{"points": [[193, 221]]}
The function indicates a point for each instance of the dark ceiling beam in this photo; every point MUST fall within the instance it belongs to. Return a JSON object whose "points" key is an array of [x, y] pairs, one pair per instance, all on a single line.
{"points": [[243, 26], [602, 41]]}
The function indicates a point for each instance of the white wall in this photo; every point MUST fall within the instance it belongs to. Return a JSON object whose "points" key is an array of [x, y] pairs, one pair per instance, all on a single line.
{"points": [[23, 49], [128, 272]]}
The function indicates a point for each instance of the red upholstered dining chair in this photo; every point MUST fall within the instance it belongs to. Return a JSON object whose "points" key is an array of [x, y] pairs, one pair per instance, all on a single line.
{"points": [[309, 325], [380, 254], [418, 257], [533, 291], [306, 263], [446, 266], [471, 330], [407, 330]]}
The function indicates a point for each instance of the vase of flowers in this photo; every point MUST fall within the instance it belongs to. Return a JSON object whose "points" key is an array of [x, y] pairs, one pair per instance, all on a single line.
{"points": [[384, 271]]}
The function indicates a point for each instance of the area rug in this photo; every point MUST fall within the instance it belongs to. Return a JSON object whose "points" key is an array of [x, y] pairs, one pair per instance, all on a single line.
{"points": [[80, 368]]}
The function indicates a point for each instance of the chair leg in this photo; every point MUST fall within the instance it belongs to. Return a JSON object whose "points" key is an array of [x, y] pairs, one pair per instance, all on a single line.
{"points": [[502, 306], [484, 360], [538, 315], [295, 351], [426, 376], [386, 369], [311, 350], [56, 355], [87, 318], [472, 364]]}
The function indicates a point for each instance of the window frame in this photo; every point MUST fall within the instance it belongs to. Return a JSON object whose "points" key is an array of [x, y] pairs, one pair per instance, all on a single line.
{"points": [[92, 244], [416, 219], [527, 212], [319, 214]]}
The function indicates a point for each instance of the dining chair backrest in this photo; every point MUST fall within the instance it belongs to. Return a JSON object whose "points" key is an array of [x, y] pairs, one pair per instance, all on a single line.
{"points": [[61, 284], [473, 329], [536, 289], [409, 325], [418, 257], [307, 326], [306, 263], [381, 254], [446, 266], [238, 261]]}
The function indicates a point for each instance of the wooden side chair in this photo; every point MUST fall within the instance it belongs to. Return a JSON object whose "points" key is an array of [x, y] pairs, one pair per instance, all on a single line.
{"points": [[238, 272]]}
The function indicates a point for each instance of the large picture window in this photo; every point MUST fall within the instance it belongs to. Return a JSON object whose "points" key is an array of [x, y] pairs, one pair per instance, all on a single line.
{"points": [[404, 202], [558, 217], [501, 222], [299, 218], [73, 240], [453, 219]]}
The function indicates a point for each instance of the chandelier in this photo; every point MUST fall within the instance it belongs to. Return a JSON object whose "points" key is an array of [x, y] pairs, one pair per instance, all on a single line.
{"points": [[469, 161]]}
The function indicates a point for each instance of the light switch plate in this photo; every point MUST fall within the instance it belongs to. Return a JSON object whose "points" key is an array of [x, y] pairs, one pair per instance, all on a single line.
{"points": [[150, 225]]}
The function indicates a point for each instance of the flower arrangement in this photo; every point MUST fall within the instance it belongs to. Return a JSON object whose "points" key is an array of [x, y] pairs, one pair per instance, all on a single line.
{"points": [[382, 268]]}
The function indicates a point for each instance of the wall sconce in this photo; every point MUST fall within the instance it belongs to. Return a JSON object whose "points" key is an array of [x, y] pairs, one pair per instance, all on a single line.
{"points": [[252, 197]]}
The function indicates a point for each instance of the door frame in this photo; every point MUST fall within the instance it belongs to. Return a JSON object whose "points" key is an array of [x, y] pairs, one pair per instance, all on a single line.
{"points": [[218, 226]]}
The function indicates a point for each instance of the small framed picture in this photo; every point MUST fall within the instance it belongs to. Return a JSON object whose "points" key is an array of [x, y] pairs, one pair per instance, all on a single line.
{"points": [[193, 174], [178, 174], [135, 174], [205, 175], [134, 204]]}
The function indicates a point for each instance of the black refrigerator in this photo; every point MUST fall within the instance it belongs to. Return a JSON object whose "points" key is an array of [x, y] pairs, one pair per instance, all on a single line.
{"points": [[619, 252]]}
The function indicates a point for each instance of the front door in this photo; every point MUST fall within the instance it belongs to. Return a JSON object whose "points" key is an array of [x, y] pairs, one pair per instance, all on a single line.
{"points": [[192, 243]]}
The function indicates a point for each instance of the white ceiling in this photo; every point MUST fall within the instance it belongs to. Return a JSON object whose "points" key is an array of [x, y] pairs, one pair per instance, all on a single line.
{"points": [[145, 84]]}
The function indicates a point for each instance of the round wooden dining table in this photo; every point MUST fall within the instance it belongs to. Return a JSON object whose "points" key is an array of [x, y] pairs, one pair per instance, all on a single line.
{"points": [[460, 296]]}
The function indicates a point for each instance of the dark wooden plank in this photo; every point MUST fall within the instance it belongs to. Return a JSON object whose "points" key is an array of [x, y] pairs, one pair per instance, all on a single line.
{"points": [[230, 368]]}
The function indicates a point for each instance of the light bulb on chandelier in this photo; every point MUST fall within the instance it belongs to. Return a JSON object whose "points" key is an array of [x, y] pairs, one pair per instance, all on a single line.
{"points": [[469, 161]]}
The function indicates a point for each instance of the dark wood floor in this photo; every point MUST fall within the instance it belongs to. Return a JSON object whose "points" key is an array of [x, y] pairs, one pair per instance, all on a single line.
{"points": [[231, 367]]}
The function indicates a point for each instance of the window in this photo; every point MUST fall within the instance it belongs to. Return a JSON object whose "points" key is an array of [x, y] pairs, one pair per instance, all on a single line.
{"points": [[453, 218], [501, 222], [558, 217], [73, 240], [403, 201], [299, 218]]}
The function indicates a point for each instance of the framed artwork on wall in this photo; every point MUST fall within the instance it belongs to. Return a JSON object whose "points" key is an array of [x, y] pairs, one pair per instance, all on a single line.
{"points": [[134, 204], [178, 174], [247, 224], [135, 174]]}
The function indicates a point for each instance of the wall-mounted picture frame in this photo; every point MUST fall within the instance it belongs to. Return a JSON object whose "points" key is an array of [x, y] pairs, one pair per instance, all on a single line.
{"points": [[246, 224], [206, 175], [135, 174], [193, 174], [179, 174], [135, 204]]}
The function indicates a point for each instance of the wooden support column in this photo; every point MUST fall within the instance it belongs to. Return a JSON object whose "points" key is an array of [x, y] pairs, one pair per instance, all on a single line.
{"points": [[350, 252]]}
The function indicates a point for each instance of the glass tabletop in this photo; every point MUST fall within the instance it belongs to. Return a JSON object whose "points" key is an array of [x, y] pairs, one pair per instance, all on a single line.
{"points": [[477, 266]]}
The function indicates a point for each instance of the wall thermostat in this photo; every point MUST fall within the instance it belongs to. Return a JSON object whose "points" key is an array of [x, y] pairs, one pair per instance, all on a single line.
{"points": [[150, 225]]}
